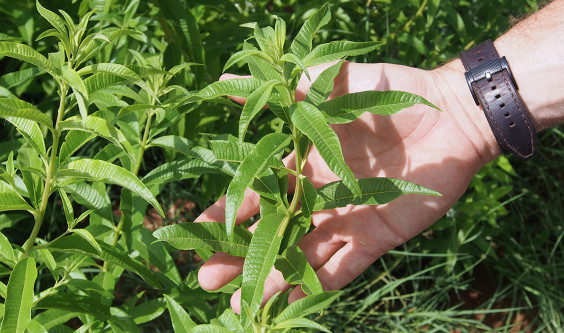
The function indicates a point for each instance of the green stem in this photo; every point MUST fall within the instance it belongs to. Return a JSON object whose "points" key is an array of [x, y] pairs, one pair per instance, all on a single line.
{"points": [[49, 176], [142, 147]]}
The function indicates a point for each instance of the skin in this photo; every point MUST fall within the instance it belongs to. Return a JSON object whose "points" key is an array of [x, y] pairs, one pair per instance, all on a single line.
{"points": [[439, 150]]}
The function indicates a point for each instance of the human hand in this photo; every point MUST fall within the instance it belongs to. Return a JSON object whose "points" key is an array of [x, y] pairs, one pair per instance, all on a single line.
{"points": [[438, 150]]}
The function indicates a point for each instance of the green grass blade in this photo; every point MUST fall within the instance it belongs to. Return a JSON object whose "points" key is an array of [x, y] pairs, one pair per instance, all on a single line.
{"points": [[336, 50], [19, 298], [322, 87], [181, 321], [253, 164], [310, 121], [301, 45], [206, 235], [97, 170], [375, 191], [296, 269], [259, 261], [347, 108]]}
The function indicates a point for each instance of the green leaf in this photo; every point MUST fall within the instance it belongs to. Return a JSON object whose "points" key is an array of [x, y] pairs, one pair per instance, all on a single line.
{"points": [[27, 54], [336, 50], [51, 318], [53, 19], [302, 43], [93, 197], [112, 254], [175, 142], [147, 311], [98, 126], [97, 170], [209, 328], [75, 303], [19, 298], [181, 321], [31, 132], [346, 108], [309, 197], [87, 236], [75, 81], [67, 207], [232, 87], [206, 235], [239, 56], [230, 320], [307, 305], [11, 200], [231, 151], [301, 322], [253, 164], [260, 259], [296, 269], [308, 119], [16, 108], [178, 170], [156, 253], [6, 251], [18, 78], [256, 101], [322, 87], [292, 58], [375, 191], [74, 140]]}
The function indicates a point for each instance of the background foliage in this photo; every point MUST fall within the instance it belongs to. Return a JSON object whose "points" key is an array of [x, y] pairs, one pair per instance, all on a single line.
{"points": [[493, 262]]}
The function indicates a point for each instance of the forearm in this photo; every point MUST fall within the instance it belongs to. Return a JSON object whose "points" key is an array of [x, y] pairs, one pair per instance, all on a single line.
{"points": [[534, 49]]}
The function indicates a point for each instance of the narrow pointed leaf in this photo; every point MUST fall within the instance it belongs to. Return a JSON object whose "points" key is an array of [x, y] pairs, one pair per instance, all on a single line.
{"points": [[347, 108], [10, 200], [17, 108], [19, 298], [156, 253], [75, 81], [175, 142], [296, 269], [147, 311], [55, 20], [51, 318], [97, 170], [31, 132], [92, 196], [209, 328], [87, 236], [112, 254], [231, 151], [308, 119], [260, 259], [76, 303], [100, 127], [17, 78], [239, 56], [27, 54], [233, 87], [336, 50], [206, 235], [181, 321], [67, 207], [252, 166], [290, 57], [301, 322], [309, 197], [323, 85], [375, 191], [178, 170], [307, 305], [302, 43], [6, 251], [74, 140], [256, 101], [230, 320]]}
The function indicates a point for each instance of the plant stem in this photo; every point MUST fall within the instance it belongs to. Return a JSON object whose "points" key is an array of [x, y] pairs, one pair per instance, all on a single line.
{"points": [[142, 147], [49, 175]]}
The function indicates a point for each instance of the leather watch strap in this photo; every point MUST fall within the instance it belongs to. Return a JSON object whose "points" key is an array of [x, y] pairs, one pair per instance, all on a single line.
{"points": [[492, 85]]}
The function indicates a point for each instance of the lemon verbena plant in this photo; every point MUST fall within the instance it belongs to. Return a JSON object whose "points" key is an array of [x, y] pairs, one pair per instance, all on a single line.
{"points": [[276, 67]]}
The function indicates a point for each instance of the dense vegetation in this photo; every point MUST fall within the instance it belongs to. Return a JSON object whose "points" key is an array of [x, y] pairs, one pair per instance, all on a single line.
{"points": [[117, 84]]}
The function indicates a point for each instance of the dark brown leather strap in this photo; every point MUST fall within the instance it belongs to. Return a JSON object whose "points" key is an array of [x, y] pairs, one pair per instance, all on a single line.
{"points": [[492, 85]]}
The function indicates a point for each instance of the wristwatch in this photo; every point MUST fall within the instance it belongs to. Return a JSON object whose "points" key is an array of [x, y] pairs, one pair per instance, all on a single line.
{"points": [[493, 87]]}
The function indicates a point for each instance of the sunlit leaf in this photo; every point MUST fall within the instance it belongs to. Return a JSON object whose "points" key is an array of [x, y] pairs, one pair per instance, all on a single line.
{"points": [[17, 108], [346, 108], [322, 87], [19, 298], [11, 200], [296, 269], [75, 303], [307, 305], [302, 43], [27, 54], [206, 235], [336, 50], [181, 321], [255, 102]]}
